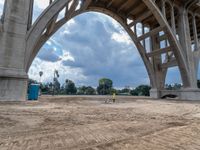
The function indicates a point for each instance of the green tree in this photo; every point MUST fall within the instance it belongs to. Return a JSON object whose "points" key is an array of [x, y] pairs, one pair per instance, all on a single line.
{"points": [[56, 86], [45, 89], [175, 86], [168, 87], [86, 90], [62, 89], [70, 87], [31, 81], [90, 91], [55, 82], [142, 90], [114, 91], [40, 74], [105, 86], [125, 91], [81, 90], [134, 92]]}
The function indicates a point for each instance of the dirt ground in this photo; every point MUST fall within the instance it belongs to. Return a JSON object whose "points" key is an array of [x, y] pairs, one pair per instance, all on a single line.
{"points": [[87, 123]]}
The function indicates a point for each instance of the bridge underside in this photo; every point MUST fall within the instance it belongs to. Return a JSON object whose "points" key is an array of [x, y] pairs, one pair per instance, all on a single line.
{"points": [[171, 27]]}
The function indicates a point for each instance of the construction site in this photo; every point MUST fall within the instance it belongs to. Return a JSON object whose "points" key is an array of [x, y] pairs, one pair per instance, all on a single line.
{"points": [[166, 35], [88, 123]]}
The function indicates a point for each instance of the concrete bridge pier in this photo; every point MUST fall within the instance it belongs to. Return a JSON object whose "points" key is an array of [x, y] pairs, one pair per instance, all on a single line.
{"points": [[190, 90], [13, 78], [13, 89], [20, 40]]}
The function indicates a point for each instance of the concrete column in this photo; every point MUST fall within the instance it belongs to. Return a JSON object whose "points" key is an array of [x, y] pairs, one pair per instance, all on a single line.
{"points": [[30, 16], [196, 41], [173, 23], [144, 41], [159, 73], [135, 29], [13, 78], [163, 8], [185, 41]]}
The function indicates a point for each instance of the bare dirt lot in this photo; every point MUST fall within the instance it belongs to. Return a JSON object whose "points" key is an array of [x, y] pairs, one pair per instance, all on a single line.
{"points": [[60, 123]]}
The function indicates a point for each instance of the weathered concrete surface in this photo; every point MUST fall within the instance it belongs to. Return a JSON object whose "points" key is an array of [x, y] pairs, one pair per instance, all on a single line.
{"points": [[87, 123], [183, 94], [13, 77], [12, 89], [20, 40]]}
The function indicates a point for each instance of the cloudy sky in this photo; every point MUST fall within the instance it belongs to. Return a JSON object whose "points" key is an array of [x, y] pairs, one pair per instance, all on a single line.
{"points": [[85, 50]]}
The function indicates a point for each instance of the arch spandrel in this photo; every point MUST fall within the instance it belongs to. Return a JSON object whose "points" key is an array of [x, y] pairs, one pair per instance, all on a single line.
{"points": [[145, 12]]}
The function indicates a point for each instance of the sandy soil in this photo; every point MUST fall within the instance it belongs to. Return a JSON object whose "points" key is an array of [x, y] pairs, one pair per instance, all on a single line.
{"points": [[87, 123]]}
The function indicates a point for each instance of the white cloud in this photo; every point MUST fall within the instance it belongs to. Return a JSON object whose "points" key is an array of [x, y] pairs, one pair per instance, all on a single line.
{"points": [[66, 27], [1, 6], [70, 22], [61, 14], [67, 56], [115, 24], [49, 43], [122, 37], [48, 68], [2, 2], [41, 4]]}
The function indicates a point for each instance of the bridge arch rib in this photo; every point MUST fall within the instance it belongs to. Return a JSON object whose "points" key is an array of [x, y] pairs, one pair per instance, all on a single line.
{"points": [[48, 23]]}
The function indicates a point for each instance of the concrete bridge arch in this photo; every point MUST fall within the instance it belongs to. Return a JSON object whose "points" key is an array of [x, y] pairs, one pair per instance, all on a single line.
{"points": [[151, 14], [41, 39]]}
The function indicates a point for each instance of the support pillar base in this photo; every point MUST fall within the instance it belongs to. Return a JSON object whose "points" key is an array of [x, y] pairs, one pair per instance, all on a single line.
{"points": [[183, 94], [189, 94], [13, 89], [155, 93]]}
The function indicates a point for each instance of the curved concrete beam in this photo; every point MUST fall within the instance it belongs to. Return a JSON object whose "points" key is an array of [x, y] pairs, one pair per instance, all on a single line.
{"points": [[35, 40], [140, 48], [173, 41], [39, 26]]}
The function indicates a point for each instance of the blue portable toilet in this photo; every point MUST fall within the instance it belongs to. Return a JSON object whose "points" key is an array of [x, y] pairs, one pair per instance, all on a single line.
{"points": [[33, 92]]}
